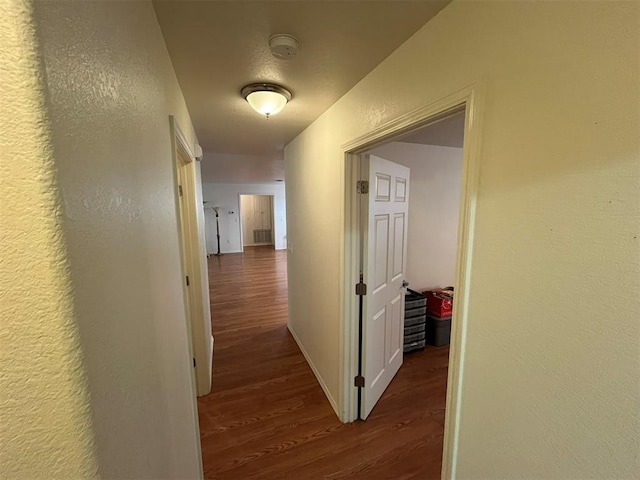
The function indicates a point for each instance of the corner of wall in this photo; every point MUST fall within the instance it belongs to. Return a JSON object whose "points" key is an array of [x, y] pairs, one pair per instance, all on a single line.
{"points": [[315, 371]]}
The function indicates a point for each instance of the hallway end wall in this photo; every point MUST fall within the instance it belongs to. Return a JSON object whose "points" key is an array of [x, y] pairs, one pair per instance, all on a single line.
{"points": [[227, 197]]}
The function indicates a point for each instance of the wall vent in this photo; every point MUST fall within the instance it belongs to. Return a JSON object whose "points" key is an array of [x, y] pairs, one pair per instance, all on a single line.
{"points": [[262, 236]]}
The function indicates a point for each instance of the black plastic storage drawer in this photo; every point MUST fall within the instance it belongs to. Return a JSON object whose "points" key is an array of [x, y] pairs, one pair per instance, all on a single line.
{"points": [[415, 329], [413, 299], [410, 347], [412, 321], [415, 337], [415, 312]]}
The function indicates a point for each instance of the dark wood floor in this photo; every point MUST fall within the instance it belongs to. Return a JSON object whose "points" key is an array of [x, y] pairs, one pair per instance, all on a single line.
{"points": [[267, 417]]}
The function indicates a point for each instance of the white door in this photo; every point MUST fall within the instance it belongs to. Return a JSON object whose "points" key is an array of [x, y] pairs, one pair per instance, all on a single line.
{"points": [[262, 212], [385, 215]]}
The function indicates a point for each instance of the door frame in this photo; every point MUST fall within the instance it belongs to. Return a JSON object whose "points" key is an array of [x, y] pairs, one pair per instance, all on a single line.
{"points": [[470, 99], [193, 259]]}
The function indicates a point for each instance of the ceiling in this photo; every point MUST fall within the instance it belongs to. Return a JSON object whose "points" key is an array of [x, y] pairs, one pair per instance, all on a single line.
{"points": [[448, 132], [230, 168], [217, 47]]}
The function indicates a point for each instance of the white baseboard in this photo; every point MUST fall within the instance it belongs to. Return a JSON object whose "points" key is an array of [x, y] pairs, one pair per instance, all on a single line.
{"points": [[315, 371]]}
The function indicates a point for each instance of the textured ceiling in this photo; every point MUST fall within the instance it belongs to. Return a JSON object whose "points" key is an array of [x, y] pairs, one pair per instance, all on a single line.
{"points": [[219, 46], [230, 168]]}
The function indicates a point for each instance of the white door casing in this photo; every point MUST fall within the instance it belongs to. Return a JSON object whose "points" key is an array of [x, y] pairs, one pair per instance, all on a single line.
{"points": [[385, 214], [190, 213]]}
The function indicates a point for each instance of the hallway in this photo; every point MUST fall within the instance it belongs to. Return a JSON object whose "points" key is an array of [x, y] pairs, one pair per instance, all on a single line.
{"points": [[267, 417]]}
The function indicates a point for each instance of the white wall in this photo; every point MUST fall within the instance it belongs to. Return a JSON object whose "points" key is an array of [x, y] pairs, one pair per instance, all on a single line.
{"points": [[111, 90], [46, 429], [551, 386], [434, 201], [227, 197]]}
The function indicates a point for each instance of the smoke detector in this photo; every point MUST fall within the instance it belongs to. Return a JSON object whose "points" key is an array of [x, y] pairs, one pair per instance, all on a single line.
{"points": [[283, 46]]}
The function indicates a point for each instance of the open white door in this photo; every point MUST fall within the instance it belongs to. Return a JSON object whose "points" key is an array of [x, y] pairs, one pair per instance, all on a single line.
{"points": [[385, 217]]}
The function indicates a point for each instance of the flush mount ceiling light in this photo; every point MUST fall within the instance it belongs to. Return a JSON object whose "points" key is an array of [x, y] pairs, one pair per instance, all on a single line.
{"points": [[266, 98]]}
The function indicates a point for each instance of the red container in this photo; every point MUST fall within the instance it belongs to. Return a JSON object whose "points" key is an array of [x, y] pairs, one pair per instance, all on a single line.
{"points": [[439, 302]]}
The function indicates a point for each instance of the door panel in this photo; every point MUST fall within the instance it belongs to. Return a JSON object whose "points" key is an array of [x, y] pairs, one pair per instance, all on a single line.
{"points": [[381, 227], [383, 187], [384, 211], [396, 327], [377, 346], [398, 245], [266, 209], [401, 189]]}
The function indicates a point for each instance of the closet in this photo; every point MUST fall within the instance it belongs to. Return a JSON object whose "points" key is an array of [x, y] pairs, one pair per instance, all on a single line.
{"points": [[257, 219]]}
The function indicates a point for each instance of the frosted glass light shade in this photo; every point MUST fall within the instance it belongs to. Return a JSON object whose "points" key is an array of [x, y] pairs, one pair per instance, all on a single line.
{"points": [[266, 99], [267, 103]]}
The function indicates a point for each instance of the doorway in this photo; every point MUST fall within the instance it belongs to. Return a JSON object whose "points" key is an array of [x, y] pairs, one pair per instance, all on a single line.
{"points": [[195, 282], [257, 220], [409, 225], [358, 255]]}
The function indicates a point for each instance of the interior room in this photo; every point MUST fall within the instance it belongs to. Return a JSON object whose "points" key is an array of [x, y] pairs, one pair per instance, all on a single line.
{"points": [[433, 155], [234, 225]]}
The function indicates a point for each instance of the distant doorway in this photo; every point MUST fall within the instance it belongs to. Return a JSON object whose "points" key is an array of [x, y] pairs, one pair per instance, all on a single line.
{"points": [[256, 220]]}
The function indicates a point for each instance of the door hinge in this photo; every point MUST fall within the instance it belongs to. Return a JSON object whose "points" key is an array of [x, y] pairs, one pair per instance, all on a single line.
{"points": [[194, 362], [180, 190], [359, 381], [187, 279], [362, 186], [361, 288]]}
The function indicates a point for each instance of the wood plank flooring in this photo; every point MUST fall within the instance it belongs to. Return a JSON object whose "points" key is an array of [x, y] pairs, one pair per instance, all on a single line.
{"points": [[267, 417]]}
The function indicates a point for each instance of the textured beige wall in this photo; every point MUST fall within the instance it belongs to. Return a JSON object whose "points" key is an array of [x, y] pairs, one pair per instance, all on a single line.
{"points": [[45, 423], [551, 386], [111, 88]]}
